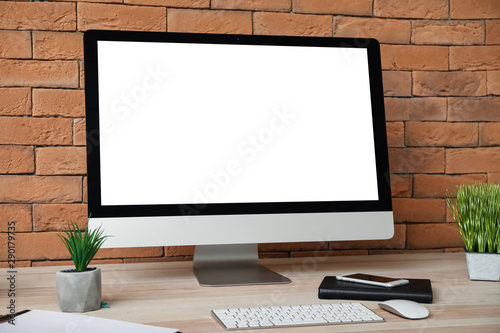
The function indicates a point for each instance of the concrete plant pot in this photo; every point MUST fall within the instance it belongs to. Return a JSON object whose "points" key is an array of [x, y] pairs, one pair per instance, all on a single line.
{"points": [[483, 266], [79, 291]]}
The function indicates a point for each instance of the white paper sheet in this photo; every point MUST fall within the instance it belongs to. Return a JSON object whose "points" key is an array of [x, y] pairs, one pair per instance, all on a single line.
{"points": [[41, 321]]}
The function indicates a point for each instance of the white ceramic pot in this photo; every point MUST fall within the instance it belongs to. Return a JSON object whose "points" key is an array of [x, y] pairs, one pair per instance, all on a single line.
{"points": [[483, 266], [79, 291]]}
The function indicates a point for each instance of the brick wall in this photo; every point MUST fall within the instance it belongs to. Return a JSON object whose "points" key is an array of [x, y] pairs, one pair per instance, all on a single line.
{"points": [[441, 62]]}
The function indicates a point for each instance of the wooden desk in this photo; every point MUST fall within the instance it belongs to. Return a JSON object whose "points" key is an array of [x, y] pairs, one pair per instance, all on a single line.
{"points": [[167, 294]]}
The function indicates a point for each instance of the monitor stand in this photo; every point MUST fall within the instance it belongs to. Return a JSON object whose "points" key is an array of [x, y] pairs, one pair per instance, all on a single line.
{"points": [[232, 265]]}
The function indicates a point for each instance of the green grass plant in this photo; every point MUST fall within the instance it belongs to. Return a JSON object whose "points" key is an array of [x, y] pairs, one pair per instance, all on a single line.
{"points": [[82, 245], [476, 210]]}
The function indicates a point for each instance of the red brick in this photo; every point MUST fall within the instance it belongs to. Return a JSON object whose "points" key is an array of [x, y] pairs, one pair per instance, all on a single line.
{"points": [[426, 108], [6, 264], [475, 57], [395, 134], [85, 190], [291, 24], [432, 236], [130, 252], [319, 251], [447, 32], [61, 161], [397, 83], [120, 17], [474, 109], [270, 255], [430, 9], [449, 83], [209, 21], [37, 16], [401, 186], [79, 134], [384, 30], [49, 263], [57, 45], [473, 160], [287, 247], [414, 57], [419, 210], [15, 101], [254, 5], [406, 251], [56, 217], [156, 259], [36, 189], [318, 254], [36, 131], [353, 7], [493, 83], [441, 134], [40, 246], [48, 246], [493, 177], [81, 77], [16, 159], [102, 1], [398, 241], [15, 44], [177, 251], [397, 109], [58, 102], [3, 245], [467, 9], [416, 160], [168, 3], [20, 214], [437, 186], [489, 134], [454, 250], [298, 254], [36, 73], [493, 32]]}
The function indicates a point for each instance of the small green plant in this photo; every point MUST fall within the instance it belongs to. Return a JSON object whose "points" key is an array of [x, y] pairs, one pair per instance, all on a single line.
{"points": [[476, 210], [82, 245]]}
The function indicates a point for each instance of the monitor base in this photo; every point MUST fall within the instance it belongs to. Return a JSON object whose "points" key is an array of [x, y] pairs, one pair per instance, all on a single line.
{"points": [[232, 265]]}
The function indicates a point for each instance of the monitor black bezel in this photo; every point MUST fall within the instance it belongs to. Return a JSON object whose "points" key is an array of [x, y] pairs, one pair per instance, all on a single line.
{"points": [[91, 37]]}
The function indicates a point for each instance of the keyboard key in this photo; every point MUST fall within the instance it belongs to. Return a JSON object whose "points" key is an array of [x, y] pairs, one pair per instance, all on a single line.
{"points": [[298, 315]]}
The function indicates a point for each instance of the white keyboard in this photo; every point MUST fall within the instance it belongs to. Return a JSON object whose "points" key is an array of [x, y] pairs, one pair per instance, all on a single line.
{"points": [[299, 315]]}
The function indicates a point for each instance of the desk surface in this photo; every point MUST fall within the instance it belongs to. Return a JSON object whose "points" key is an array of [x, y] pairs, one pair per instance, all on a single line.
{"points": [[167, 294]]}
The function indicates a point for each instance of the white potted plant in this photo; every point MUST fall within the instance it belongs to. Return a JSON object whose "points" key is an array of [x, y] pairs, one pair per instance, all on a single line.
{"points": [[79, 289], [476, 210]]}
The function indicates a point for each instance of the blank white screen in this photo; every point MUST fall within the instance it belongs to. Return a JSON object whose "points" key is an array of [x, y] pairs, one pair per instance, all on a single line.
{"points": [[188, 123]]}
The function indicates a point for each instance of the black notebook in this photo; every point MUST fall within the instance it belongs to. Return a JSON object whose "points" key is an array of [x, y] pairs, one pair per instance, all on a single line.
{"points": [[418, 290]]}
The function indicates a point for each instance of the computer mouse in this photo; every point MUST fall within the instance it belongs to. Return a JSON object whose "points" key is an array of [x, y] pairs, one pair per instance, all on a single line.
{"points": [[404, 308]]}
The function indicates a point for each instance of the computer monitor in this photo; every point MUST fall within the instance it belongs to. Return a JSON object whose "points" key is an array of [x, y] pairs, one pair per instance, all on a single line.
{"points": [[227, 141]]}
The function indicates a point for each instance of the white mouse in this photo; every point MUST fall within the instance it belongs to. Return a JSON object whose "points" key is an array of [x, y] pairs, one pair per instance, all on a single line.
{"points": [[405, 309]]}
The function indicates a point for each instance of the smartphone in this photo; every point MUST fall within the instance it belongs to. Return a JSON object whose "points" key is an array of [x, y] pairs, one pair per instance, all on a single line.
{"points": [[373, 280]]}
